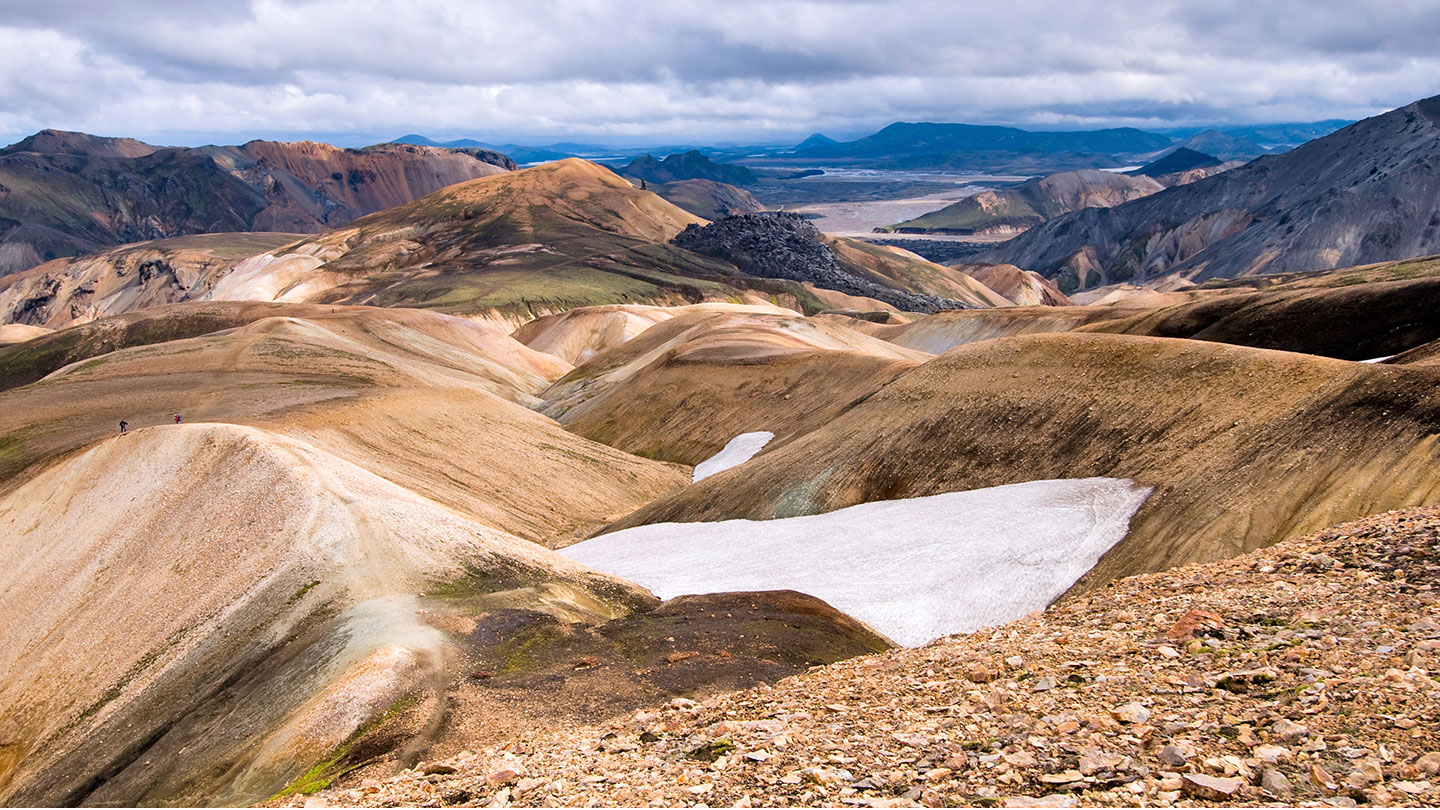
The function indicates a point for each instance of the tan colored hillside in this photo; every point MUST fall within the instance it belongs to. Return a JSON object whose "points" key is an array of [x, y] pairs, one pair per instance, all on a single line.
{"points": [[111, 282], [1244, 447], [685, 387], [335, 562], [944, 331], [1021, 287], [277, 582], [579, 334], [419, 397]]}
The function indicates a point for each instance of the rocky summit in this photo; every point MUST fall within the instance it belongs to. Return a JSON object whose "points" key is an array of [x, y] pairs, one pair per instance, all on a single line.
{"points": [[785, 245]]}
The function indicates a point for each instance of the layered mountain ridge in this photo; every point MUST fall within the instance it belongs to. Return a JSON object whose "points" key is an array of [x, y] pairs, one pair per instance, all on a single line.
{"points": [[68, 193], [1366, 193]]}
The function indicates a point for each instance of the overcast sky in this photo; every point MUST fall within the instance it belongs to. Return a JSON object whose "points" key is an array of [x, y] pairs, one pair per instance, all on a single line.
{"points": [[358, 71]]}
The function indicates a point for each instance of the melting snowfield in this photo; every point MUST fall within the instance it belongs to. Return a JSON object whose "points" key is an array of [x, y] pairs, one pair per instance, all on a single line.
{"points": [[912, 569], [737, 451]]}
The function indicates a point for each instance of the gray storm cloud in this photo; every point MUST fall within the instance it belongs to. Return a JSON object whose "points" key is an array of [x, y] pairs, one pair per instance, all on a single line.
{"points": [[703, 70]]}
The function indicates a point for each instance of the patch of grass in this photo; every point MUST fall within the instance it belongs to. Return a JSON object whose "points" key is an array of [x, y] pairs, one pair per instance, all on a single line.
{"points": [[319, 777], [13, 457], [300, 594], [88, 364], [337, 764], [713, 750]]}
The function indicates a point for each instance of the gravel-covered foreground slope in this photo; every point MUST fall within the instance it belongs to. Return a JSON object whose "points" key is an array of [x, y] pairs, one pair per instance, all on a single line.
{"points": [[1296, 675]]}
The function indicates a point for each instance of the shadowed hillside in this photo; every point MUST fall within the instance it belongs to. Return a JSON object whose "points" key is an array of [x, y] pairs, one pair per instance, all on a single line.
{"points": [[1366, 193]]}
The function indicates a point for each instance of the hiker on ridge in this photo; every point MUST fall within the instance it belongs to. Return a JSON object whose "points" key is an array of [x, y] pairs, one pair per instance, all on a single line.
{"points": [[177, 418], [124, 426]]}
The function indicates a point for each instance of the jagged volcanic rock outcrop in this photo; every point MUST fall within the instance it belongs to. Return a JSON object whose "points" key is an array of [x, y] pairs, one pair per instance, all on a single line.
{"points": [[785, 245], [1366, 193]]}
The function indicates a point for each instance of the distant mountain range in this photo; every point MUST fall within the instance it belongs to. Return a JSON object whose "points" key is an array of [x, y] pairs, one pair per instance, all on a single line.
{"points": [[985, 148], [1268, 136], [516, 152], [687, 166], [1367, 193], [66, 193], [1182, 159]]}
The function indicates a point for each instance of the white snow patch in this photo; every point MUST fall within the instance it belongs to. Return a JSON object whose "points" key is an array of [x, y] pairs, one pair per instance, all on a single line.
{"points": [[912, 569], [1378, 359], [737, 451]]}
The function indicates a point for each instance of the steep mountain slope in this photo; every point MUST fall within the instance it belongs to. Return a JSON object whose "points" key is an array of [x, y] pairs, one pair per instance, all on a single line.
{"points": [[1244, 447], [690, 165], [68, 193], [65, 292], [1351, 322], [1366, 193], [683, 388], [1358, 313], [1012, 210]]}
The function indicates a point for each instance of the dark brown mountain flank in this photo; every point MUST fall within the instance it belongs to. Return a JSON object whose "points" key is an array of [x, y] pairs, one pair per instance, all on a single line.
{"points": [[64, 193], [1352, 314], [1244, 447], [1366, 193]]}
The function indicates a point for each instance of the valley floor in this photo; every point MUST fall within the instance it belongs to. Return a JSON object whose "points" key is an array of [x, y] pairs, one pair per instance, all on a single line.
{"points": [[1300, 674]]}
